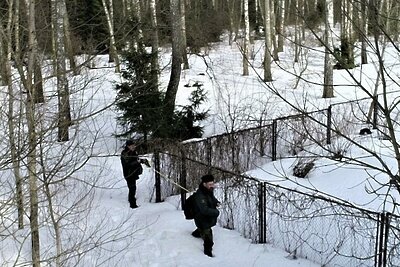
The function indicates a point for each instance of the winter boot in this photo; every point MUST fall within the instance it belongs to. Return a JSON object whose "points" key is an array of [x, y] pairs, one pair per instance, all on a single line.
{"points": [[196, 233], [208, 248], [208, 252]]}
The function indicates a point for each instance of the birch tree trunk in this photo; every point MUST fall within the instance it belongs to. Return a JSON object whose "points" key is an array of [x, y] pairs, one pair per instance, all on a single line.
{"points": [[232, 18], [55, 222], [36, 71], [273, 35], [32, 138], [297, 33], [5, 61], [38, 79], [183, 35], [267, 48], [137, 14], [109, 11], [328, 65], [286, 13], [64, 114], [172, 89], [67, 39], [347, 52], [364, 30], [155, 69], [3, 72], [279, 23], [17, 53], [13, 135], [246, 38]]}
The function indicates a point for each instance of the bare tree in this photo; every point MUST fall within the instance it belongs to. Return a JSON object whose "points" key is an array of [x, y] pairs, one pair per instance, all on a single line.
{"points": [[235, 9], [109, 11], [328, 65], [172, 89], [154, 42], [64, 114], [385, 104], [183, 34], [268, 43], [13, 134], [279, 23], [246, 38], [67, 39], [363, 26], [32, 135]]}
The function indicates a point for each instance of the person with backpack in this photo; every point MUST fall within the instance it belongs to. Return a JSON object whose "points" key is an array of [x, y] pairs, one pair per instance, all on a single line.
{"points": [[205, 212], [132, 168]]}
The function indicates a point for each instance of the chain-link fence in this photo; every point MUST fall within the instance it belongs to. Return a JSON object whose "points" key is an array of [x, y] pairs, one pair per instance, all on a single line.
{"points": [[305, 225]]}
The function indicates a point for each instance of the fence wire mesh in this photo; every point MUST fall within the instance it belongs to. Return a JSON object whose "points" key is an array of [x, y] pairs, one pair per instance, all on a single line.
{"points": [[305, 225]]}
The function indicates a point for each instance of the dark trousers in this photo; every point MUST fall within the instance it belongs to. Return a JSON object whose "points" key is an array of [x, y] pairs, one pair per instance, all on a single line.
{"points": [[207, 236], [132, 192]]}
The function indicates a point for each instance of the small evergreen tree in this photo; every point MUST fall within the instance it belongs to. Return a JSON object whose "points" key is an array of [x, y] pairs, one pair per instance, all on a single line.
{"points": [[141, 104], [138, 98], [186, 121], [88, 24]]}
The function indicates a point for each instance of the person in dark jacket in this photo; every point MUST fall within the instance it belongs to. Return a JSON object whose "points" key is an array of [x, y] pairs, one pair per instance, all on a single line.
{"points": [[132, 168], [206, 212]]}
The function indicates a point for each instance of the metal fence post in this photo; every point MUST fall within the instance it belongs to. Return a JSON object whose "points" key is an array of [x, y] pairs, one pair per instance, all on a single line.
{"points": [[157, 176], [329, 125], [182, 178], [379, 240], [262, 140], [262, 224], [386, 238], [209, 154], [274, 139], [375, 115]]}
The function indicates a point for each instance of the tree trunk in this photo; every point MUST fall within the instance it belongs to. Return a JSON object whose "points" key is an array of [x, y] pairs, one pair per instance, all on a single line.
{"points": [[328, 66], [297, 33], [364, 31], [12, 135], [137, 12], [172, 89], [109, 11], [55, 222], [38, 79], [347, 52], [246, 38], [67, 38], [30, 114], [267, 48], [3, 72], [17, 53], [286, 12], [232, 19], [14, 145], [396, 21], [183, 35], [279, 23], [273, 31], [64, 114], [155, 69]]}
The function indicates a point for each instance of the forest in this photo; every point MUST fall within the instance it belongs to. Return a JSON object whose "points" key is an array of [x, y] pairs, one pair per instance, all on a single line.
{"points": [[47, 45]]}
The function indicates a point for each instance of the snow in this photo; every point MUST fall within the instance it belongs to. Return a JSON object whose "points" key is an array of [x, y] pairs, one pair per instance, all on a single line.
{"points": [[157, 234], [162, 235]]}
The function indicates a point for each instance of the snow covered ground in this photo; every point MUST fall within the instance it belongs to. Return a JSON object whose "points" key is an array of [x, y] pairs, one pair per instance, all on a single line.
{"points": [[162, 235], [157, 234]]}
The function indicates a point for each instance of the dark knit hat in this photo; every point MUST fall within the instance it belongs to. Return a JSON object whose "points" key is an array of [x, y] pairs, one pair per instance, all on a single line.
{"points": [[207, 178], [129, 142]]}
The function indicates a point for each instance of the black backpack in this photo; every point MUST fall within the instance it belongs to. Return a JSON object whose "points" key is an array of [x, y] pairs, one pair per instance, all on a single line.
{"points": [[188, 208]]}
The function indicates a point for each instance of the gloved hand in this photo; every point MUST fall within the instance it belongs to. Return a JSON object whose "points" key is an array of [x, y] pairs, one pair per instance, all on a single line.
{"points": [[145, 162]]}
